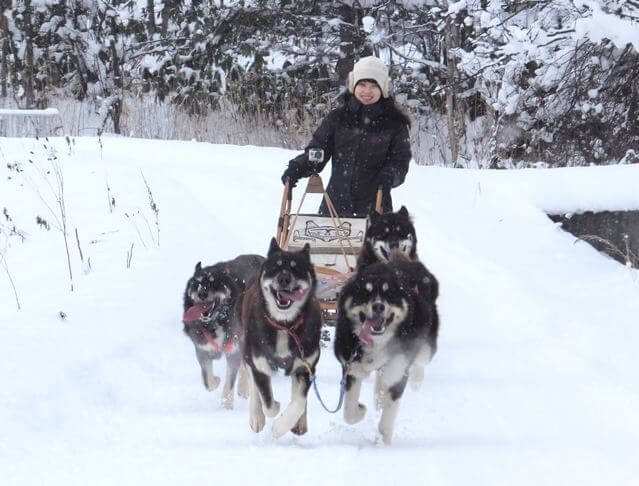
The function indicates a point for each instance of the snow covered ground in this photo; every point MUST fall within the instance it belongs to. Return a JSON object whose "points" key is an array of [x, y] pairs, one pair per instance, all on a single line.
{"points": [[536, 380]]}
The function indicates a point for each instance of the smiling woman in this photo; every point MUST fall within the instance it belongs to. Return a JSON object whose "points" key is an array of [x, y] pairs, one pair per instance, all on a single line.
{"points": [[367, 92], [367, 140]]}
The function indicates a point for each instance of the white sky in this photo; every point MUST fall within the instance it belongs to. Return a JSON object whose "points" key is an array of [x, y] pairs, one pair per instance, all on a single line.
{"points": [[535, 382]]}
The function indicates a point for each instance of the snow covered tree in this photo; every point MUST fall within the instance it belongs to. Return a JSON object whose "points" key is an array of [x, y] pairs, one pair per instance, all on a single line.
{"points": [[554, 80], [497, 82]]}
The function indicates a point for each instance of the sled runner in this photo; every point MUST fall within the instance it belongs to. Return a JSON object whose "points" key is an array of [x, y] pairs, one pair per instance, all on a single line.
{"points": [[335, 242]]}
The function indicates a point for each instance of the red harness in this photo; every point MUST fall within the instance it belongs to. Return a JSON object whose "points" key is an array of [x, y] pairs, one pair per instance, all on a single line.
{"points": [[289, 330], [227, 348]]}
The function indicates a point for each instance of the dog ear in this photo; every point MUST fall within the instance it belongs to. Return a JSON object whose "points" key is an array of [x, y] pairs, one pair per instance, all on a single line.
{"points": [[404, 212], [306, 251], [198, 266], [373, 215], [273, 247]]}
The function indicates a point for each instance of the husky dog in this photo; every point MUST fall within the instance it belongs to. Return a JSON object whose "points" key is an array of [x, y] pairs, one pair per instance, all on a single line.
{"points": [[392, 236], [281, 321], [208, 319], [385, 233], [386, 319]]}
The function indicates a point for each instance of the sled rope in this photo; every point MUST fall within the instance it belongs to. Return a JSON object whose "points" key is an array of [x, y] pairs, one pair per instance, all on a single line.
{"points": [[342, 389]]}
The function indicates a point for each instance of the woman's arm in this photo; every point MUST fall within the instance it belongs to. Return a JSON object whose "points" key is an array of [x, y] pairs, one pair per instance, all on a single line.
{"points": [[398, 158], [323, 138]]}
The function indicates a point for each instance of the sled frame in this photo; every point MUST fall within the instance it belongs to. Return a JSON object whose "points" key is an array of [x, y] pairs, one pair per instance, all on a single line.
{"points": [[286, 224]]}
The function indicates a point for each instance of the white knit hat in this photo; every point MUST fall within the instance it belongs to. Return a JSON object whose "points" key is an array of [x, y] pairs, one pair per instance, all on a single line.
{"points": [[370, 67]]}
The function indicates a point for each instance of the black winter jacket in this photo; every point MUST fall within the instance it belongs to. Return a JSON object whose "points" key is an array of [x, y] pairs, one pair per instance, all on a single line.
{"points": [[362, 140]]}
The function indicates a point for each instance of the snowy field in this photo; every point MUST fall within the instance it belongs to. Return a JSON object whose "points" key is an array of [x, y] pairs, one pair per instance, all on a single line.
{"points": [[536, 381]]}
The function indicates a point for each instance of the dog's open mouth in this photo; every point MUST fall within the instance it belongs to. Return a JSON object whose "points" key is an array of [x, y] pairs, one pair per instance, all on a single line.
{"points": [[284, 298], [371, 327], [200, 311]]}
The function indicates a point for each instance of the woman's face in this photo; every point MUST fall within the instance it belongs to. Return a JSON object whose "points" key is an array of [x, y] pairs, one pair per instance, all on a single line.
{"points": [[367, 92]]}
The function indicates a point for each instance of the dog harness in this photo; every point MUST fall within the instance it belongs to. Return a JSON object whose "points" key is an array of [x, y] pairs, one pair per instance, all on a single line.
{"points": [[313, 378], [228, 345], [289, 330]]}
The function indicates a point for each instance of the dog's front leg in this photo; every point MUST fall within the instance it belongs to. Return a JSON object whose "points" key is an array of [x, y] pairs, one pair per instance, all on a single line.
{"points": [[256, 417], [353, 410], [301, 427], [416, 375], [242, 382], [300, 383], [262, 382], [233, 362], [378, 393], [211, 382], [394, 379]]}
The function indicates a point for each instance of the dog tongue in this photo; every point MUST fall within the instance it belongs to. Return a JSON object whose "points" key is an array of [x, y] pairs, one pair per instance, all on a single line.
{"points": [[196, 311], [366, 334], [297, 295]]}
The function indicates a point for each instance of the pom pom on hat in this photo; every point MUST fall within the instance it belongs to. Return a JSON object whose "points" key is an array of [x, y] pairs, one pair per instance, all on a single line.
{"points": [[373, 68]]}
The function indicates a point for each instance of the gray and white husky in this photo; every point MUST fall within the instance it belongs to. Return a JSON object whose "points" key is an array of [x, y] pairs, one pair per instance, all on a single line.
{"points": [[208, 319]]}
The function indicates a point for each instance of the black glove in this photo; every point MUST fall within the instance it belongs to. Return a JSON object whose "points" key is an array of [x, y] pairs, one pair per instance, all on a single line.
{"points": [[385, 179], [292, 174]]}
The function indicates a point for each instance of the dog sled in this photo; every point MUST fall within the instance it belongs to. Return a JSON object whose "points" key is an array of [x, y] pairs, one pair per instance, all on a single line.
{"points": [[335, 242]]}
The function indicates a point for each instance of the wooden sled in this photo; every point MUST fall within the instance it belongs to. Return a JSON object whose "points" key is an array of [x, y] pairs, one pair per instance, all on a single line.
{"points": [[335, 242]]}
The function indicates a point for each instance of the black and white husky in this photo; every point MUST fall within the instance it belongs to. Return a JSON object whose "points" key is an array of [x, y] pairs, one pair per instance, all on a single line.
{"points": [[393, 235], [386, 319], [281, 321], [386, 233], [208, 319]]}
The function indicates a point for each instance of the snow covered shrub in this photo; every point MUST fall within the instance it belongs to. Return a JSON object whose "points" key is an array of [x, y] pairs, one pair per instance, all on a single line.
{"points": [[559, 76]]}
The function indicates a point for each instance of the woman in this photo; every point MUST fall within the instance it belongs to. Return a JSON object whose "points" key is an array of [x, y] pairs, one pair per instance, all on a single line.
{"points": [[367, 138]]}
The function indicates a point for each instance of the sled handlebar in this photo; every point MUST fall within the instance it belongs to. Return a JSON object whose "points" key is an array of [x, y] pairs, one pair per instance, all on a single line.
{"points": [[378, 199]]}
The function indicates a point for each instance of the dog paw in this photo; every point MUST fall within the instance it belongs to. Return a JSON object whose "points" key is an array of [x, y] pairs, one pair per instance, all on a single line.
{"points": [[257, 422], [385, 435], [274, 410], [280, 427], [242, 390], [212, 383], [352, 416], [300, 428], [227, 401], [416, 377]]}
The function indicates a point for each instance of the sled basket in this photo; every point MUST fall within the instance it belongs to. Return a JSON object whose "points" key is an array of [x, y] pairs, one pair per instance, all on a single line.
{"points": [[335, 243]]}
